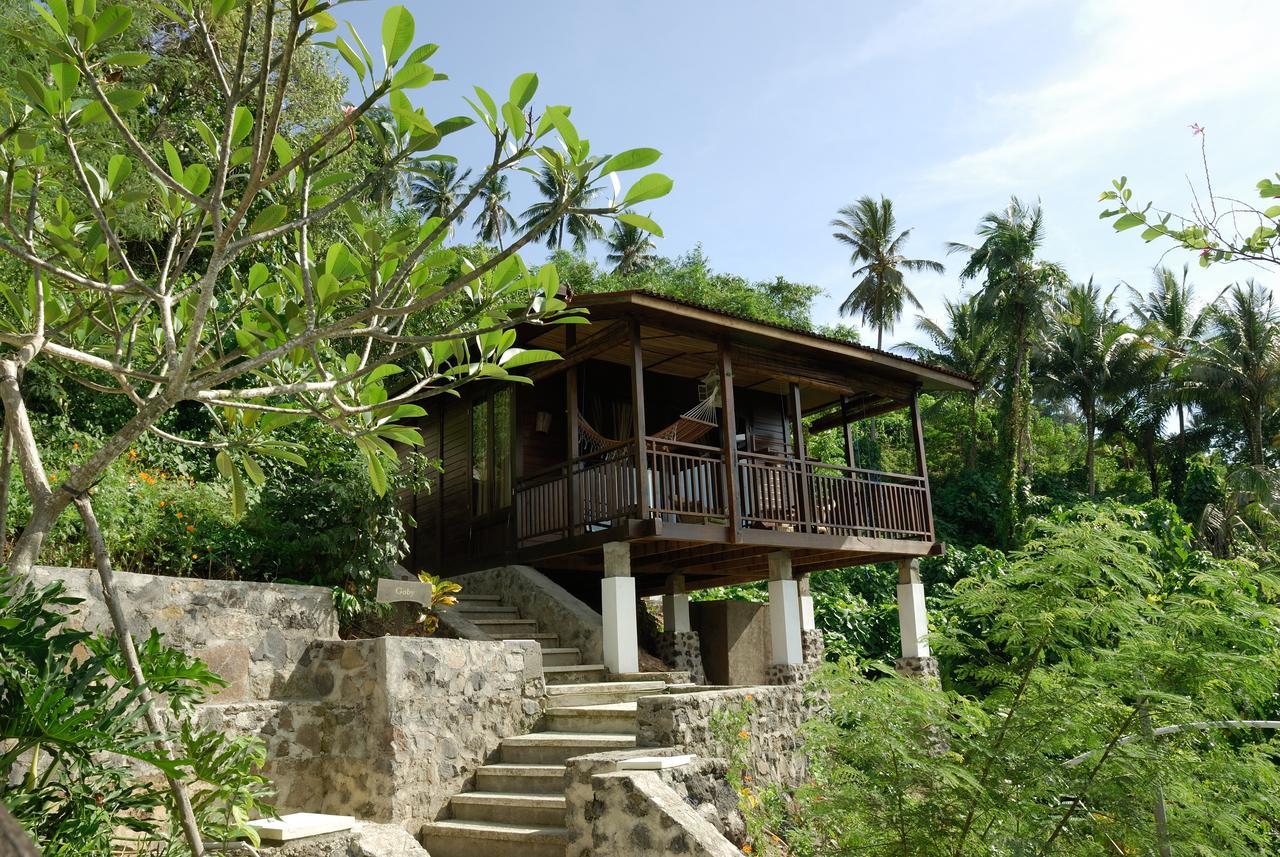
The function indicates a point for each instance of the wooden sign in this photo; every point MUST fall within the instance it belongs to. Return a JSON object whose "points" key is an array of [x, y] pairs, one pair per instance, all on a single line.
{"points": [[390, 591]]}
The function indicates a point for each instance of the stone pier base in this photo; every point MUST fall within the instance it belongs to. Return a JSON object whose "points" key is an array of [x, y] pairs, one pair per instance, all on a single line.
{"points": [[682, 650], [789, 673], [813, 647], [922, 668]]}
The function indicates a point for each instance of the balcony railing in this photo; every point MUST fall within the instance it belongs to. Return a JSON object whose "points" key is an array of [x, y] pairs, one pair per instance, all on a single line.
{"points": [[685, 482]]}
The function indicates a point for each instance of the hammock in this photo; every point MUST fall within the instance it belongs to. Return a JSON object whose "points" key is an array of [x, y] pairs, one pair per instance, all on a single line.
{"points": [[689, 427]]}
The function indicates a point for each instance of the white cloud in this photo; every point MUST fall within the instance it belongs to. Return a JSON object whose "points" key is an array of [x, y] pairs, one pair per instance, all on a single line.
{"points": [[1137, 63]]}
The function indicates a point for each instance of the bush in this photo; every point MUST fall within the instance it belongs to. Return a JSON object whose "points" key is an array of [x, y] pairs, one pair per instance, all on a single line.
{"points": [[77, 759]]}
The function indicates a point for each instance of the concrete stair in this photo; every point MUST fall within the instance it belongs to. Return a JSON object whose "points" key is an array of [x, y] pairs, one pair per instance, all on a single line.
{"points": [[518, 805]]}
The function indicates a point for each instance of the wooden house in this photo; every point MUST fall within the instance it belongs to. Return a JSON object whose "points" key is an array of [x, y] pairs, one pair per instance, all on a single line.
{"points": [[680, 432]]}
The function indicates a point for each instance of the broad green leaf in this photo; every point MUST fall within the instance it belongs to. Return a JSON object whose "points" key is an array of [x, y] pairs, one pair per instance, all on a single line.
{"points": [[196, 178], [32, 87], [397, 33], [324, 22], [242, 124], [413, 76], [548, 279], [111, 22], [421, 53], [128, 59], [1128, 221], [649, 187], [514, 119], [386, 370], [487, 100], [224, 463], [175, 162], [66, 77], [118, 169], [253, 471], [518, 357], [357, 65], [272, 215], [632, 159], [257, 276], [523, 88], [454, 123], [640, 222], [560, 119]]}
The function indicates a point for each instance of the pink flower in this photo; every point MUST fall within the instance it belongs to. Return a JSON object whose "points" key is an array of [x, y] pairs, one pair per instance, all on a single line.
{"points": [[1196, 128]]}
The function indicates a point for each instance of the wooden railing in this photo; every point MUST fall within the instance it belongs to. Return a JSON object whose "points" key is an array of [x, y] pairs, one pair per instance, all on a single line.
{"points": [[685, 482]]}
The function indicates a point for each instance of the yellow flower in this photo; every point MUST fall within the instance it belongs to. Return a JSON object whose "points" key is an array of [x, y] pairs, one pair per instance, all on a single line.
{"points": [[744, 734], [75, 446], [746, 849], [53, 477]]}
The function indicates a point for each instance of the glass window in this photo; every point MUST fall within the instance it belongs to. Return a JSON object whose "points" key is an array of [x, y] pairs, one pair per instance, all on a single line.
{"points": [[491, 446]]}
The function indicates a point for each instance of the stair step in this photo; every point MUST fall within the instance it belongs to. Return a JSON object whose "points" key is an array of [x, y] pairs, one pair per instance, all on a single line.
{"points": [[487, 610], [618, 718], [553, 748], [526, 779], [575, 674], [465, 597], [561, 657], [503, 628], [670, 677], [457, 838], [602, 692], [509, 807]]}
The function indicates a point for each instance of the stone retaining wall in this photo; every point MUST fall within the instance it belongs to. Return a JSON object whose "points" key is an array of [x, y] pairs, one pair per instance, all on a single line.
{"points": [[252, 634], [774, 714], [389, 729]]}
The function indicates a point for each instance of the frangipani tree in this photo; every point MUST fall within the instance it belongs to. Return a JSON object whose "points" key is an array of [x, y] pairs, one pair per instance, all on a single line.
{"points": [[243, 274]]}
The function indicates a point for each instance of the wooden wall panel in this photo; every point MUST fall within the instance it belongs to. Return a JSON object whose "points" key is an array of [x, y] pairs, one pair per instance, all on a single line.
{"points": [[456, 492]]}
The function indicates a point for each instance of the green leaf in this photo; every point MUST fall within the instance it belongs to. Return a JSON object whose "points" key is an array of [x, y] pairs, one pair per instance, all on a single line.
{"points": [[66, 77], [652, 186], [641, 222], [517, 357], [1273, 211], [1128, 221], [272, 215], [487, 100], [118, 169], [454, 123], [357, 65], [421, 53], [560, 119], [413, 76], [32, 87], [324, 22], [257, 276], [253, 471], [632, 159], [523, 88], [196, 178], [224, 463], [397, 33], [241, 125], [175, 162], [111, 22], [514, 119]]}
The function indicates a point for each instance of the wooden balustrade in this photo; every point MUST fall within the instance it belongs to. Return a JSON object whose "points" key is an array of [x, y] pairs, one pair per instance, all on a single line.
{"points": [[686, 482]]}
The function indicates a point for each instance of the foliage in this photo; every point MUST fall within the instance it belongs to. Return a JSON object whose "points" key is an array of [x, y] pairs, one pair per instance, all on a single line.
{"points": [[443, 594], [1220, 228], [1071, 668], [77, 748]]}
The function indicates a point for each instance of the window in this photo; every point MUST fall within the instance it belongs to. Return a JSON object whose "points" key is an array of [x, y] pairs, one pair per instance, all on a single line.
{"points": [[491, 477]]}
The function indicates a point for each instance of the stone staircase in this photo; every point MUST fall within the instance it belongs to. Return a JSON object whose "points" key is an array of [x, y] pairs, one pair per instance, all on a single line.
{"points": [[518, 806]]}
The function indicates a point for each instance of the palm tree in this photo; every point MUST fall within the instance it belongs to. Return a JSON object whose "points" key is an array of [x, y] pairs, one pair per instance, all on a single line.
{"points": [[880, 292], [494, 219], [376, 134], [439, 189], [1169, 322], [1087, 355], [1017, 289], [559, 185], [630, 249], [970, 344], [1237, 369]]}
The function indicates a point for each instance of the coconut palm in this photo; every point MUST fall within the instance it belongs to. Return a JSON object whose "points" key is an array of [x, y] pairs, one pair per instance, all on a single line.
{"points": [[494, 220], [1236, 371], [1168, 320], [1088, 357], [376, 134], [559, 183], [880, 291], [438, 190], [1017, 290], [970, 344], [630, 249]]}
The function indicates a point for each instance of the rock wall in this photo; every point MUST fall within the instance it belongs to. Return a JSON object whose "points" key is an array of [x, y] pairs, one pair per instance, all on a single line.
{"points": [[389, 729], [252, 634], [689, 809], [773, 715], [540, 598]]}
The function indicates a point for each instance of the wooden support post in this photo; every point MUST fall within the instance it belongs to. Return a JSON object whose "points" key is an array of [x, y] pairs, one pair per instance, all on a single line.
{"points": [[729, 442], [784, 611], [802, 460], [675, 606], [637, 406], [571, 439], [849, 458], [922, 468], [618, 610], [913, 620]]}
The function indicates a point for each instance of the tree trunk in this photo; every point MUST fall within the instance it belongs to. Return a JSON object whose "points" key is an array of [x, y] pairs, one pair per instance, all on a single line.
{"points": [[1255, 437], [971, 457], [1089, 420], [1153, 467], [155, 718], [1012, 424], [1178, 470], [6, 477], [879, 347]]}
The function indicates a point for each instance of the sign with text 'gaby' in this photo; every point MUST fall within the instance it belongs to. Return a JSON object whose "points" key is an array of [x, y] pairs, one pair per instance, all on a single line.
{"points": [[391, 591]]}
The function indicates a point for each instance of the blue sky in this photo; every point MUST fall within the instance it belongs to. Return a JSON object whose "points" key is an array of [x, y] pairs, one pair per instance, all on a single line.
{"points": [[773, 115]]}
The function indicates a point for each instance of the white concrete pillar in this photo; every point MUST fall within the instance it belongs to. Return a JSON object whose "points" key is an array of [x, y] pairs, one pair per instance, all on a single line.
{"points": [[807, 622], [618, 610], [675, 606], [913, 620], [784, 611]]}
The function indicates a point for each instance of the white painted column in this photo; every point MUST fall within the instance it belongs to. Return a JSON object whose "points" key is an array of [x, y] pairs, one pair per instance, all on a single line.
{"points": [[807, 622], [675, 606], [618, 610], [784, 611], [913, 620]]}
